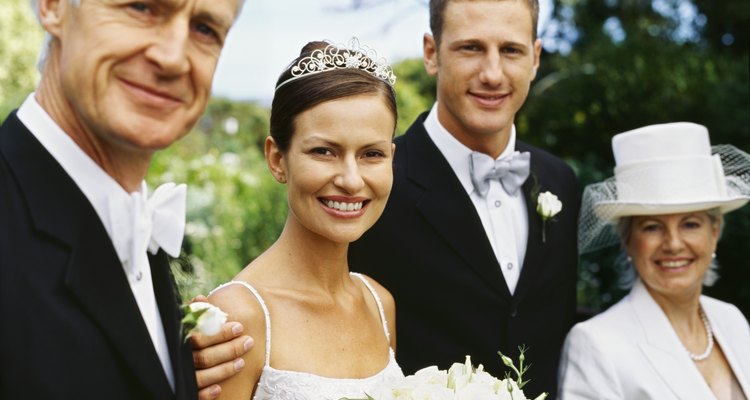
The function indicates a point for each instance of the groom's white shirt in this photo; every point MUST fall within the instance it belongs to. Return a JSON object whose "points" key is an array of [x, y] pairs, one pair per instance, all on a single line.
{"points": [[631, 352], [503, 216]]}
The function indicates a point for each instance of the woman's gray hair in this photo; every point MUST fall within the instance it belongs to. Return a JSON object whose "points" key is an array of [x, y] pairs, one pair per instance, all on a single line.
{"points": [[623, 264]]}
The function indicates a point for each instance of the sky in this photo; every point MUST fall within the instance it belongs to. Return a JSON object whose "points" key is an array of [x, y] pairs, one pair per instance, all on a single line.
{"points": [[270, 33]]}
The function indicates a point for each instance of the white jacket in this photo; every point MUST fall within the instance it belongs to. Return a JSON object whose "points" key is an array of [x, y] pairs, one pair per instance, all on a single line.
{"points": [[631, 352]]}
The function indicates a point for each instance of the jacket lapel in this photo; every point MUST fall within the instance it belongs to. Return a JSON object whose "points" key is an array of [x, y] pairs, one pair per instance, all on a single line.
{"points": [[104, 292], [732, 344], [536, 250], [94, 276], [446, 206], [663, 350], [168, 299]]}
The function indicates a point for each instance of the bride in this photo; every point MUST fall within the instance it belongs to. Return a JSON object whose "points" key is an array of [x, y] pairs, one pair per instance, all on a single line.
{"points": [[323, 332]]}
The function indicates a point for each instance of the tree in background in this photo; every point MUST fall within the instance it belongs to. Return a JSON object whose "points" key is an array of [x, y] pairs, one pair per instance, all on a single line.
{"points": [[20, 41], [415, 89]]}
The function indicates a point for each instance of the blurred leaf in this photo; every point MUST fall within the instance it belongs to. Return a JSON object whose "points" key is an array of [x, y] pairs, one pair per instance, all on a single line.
{"points": [[20, 41], [235, 208]]}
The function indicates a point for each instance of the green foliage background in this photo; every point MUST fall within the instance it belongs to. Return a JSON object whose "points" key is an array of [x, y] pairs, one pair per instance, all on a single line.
{"points": [[20, 41], [235, 208], [613, 65]]}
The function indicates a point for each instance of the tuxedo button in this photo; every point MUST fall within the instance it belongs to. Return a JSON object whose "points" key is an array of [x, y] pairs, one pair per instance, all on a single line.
{"points": [[498, 203], [509, 266], [139, 276], [513, 312]]}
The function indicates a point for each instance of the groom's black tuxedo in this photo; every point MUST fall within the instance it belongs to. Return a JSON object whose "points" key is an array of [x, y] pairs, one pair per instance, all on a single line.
{"points": [[430, 250], [71, 327]]}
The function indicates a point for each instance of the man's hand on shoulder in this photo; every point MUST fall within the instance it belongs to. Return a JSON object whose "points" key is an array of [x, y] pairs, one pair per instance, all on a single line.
{"points": [[218, 357]]}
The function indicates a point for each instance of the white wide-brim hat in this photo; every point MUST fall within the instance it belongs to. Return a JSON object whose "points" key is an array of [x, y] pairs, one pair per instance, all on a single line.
{"points": [[664, 169]]}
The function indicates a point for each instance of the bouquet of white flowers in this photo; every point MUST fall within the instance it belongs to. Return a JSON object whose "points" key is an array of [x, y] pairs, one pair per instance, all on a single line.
{"points": [[459, 382]]}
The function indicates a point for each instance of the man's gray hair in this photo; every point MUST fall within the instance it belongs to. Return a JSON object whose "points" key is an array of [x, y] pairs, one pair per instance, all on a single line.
{"points": [[43, 52]]}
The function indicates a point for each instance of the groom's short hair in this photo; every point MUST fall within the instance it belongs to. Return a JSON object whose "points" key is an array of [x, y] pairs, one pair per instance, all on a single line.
{"points": [[437, 10]]}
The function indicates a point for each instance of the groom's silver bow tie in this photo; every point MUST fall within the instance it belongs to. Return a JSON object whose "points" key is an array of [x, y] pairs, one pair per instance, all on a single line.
{"points": [[140, 223], [510, 171]]}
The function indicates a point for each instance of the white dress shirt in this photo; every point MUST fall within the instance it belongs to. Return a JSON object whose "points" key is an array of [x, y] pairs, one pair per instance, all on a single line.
{"points": [[111, 203], [503, 216]]}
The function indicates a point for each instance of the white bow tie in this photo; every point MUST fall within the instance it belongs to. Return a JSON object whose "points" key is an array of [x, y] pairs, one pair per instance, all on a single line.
{"points": [[139, 224]]}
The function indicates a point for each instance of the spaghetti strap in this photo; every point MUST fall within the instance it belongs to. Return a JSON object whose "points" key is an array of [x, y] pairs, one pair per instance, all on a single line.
{"points": [[377, 300], [265, 312]]}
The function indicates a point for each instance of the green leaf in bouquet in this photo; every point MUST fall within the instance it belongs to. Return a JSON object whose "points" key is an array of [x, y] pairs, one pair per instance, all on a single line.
{"points": [[521, 368]]}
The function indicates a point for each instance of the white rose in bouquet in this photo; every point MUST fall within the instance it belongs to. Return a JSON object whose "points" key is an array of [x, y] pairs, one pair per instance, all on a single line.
{"points": [[459, 382], [459, 375], [475, 391], [427, 383], [429, 392], [430, 375]]}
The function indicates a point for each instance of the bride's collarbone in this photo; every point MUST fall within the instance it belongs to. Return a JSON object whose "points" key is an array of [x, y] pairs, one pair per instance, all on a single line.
{"points": [[346, 322], [332, 355], [341, 342]]}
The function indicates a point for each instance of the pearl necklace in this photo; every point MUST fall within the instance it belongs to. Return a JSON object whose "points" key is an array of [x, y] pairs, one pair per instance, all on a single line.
{"points": [[710, 346]]}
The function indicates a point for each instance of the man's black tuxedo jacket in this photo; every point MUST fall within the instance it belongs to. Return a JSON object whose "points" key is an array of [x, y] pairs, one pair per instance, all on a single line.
{"points": [[430, 250], [71, 327]]}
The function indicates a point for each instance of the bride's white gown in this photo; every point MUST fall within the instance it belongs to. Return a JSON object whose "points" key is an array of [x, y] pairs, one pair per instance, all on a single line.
{"points": [[293, 385]]}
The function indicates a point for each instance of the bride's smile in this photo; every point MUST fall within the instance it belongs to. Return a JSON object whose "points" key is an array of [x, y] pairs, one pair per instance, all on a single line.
{"points": [[338, 166]]}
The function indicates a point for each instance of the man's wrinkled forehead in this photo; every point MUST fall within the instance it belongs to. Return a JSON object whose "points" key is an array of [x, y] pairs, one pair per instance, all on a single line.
{"points": [[222, 12], [237, 4]]}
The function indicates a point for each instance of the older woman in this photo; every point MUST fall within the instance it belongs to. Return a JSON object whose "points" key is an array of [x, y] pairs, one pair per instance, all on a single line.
{"points": [[664, 340]]}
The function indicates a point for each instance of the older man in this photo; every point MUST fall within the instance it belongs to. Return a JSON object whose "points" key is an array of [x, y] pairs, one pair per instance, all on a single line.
{"points": [[88, 302]]}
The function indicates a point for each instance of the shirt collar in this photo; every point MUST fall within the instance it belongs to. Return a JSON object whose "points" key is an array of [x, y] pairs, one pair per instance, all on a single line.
{"points": [[98, 187], [455, 152]]}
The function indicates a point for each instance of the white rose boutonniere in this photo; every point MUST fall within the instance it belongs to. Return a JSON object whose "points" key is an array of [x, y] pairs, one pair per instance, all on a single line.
{"points": [[202, 317], [547, 206]]}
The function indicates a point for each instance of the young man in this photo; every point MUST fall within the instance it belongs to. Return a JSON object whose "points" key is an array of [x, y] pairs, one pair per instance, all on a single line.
{"points": [[473, 268], [85, 288]]}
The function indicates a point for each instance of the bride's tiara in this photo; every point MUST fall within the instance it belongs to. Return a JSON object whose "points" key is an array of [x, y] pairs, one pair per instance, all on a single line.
{"points": [[342, 56]]}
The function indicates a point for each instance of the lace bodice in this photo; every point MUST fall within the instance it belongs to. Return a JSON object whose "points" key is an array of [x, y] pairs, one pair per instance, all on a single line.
{"points": [[293, 385]]}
